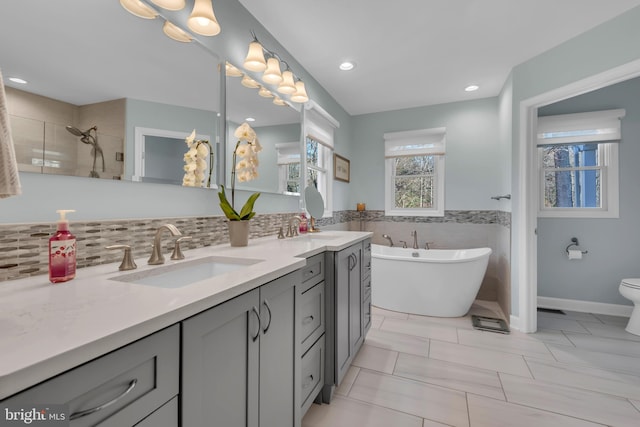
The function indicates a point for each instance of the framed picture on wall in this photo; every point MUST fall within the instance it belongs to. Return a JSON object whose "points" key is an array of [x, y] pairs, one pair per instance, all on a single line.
{"points": [[341, 168]]}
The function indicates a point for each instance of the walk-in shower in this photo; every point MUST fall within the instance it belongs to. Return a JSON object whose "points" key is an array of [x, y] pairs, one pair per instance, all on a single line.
{"points": [[87, 138]]}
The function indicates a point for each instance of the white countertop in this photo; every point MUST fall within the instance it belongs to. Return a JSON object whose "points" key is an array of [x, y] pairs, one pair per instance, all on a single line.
{"points": [[46, 329]]}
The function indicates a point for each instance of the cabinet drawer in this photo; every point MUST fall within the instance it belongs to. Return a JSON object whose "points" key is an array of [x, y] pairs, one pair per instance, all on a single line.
{"points": [[366, 292], [166, 416], [311, 315], [366, 314], [313, 272], [312, 374], [118, 389]]}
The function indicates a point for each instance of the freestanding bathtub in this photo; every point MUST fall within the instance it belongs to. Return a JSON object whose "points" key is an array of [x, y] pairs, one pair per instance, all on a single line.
{"points": [[433, 282]]}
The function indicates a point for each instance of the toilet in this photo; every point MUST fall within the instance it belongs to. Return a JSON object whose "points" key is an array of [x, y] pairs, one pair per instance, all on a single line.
{"points": [[630, 289]]}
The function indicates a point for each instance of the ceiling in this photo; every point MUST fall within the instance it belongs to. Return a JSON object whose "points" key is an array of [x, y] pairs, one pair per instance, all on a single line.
{"points": [[412, 53]]}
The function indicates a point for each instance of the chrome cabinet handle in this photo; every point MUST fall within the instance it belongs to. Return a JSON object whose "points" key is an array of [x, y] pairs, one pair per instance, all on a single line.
{"points": [[255, 310], [307, 320], [86, 412], [266, 304]]}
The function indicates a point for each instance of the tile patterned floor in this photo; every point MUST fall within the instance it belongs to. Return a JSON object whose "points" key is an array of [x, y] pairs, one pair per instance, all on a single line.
{"points": [[579, 369]]}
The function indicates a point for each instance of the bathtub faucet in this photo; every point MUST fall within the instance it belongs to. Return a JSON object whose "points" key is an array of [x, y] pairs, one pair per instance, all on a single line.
{"points": [[414, 233], [386, 236]]}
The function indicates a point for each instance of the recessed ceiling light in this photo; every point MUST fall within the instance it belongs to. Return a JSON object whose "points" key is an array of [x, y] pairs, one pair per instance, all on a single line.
{"points": [[18, 80], [472, 88], [347, 66], [250, 119]]}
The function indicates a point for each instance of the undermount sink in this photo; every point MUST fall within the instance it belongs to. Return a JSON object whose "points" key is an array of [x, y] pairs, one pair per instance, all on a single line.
{"points": [[187, 272]]}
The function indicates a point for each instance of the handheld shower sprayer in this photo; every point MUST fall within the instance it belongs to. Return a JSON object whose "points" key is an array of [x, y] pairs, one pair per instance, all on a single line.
{"points": [[87, 138]]}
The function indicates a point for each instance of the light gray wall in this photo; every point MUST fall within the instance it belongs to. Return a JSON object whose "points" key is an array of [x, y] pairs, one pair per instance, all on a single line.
{"points": [[613, 244], [472, 171], [607, 46]]}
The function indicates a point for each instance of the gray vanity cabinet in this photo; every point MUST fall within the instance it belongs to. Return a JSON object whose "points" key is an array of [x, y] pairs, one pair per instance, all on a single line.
{"points": [[238, 360], [348, 310]]}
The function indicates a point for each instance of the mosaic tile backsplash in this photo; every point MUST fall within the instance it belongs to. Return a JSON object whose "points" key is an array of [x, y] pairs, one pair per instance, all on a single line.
{"points": [[24, 247]]}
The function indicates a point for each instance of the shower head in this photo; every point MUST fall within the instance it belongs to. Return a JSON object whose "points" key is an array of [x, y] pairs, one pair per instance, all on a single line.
{"points": [[76, 131]]}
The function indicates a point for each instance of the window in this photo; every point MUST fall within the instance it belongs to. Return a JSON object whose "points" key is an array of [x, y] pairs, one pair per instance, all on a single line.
{"points": [[578, 163], [318, 153], [288, 167], [414, 172]]}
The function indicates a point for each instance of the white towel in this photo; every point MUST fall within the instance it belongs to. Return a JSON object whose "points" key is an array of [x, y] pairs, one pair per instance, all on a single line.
{"points": [[9, 178]]}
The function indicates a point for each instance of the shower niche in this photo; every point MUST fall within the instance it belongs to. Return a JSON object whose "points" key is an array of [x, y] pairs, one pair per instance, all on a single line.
{"points": [[55, 137]]}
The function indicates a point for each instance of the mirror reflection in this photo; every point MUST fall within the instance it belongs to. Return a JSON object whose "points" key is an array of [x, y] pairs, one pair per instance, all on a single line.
{"points": [[278, 128], [91, 82]]}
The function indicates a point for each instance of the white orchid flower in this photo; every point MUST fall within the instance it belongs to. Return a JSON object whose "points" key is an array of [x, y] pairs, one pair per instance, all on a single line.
{"points": [[242, 151], [203, 150], [190, 138], [245, 133]]}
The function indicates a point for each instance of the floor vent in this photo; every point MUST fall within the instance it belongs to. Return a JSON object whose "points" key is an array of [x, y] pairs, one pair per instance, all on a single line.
{"points": [[489, 324], [550, 310]]}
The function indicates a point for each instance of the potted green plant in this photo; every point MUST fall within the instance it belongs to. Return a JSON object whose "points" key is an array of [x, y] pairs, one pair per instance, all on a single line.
{"points": [[245, 169]]}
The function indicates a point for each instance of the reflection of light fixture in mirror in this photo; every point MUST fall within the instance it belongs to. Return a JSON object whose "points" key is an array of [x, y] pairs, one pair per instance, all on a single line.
{"points": [[255, 57], [249, 82], [272, 74], [18, 80], [300, 95], [287, 86], [232, 71], [347, 66], [202, 19], [139, 9], [170, 4], [265, 93], [249, 119], [471, 88], [176, 32], [278, 101]]}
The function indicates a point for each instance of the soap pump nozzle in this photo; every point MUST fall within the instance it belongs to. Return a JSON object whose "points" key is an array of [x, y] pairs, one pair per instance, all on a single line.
{"points": [[63, 222]]}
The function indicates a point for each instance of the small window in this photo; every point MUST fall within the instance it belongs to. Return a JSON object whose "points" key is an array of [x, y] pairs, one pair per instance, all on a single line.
{"points": [[288, 167], [319, 164], [578, 163], [414, 172]]}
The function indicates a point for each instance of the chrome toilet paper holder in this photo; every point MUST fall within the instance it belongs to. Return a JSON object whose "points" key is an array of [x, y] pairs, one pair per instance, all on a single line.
{"points": [[574, 242]]}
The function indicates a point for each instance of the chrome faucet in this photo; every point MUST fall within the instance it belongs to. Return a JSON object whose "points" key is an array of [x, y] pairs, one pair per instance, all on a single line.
{"points": [[386, 236], [291, 230], [414, 233], [156, 253]]}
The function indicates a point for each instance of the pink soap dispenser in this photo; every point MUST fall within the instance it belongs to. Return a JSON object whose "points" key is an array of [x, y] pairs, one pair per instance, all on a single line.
{"points": [[62, 251]]}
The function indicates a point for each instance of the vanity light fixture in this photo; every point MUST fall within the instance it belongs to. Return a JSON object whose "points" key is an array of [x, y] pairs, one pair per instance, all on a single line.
{"points": [[202, 19], [232, 70], [249, 82], [176, 33], [300, 95], [272, 74], [265, 93], [139, 9], [287, 83], [278, 101], [170, 4], [471, 88]]}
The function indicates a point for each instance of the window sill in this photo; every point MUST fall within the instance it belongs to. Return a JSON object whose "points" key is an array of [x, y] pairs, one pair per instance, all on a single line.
{"points": [[414, 212]]}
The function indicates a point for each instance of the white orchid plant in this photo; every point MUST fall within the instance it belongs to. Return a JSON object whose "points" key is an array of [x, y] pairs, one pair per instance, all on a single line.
{"points": [[195, 162], [245, 169]]}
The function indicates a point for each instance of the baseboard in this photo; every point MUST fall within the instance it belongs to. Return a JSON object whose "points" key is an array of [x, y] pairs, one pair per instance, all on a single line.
{"points": [[514, 322], [585, 306]]}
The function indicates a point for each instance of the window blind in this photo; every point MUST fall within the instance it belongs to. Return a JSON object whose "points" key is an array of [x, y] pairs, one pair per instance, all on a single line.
{"points": [[595, 126]]}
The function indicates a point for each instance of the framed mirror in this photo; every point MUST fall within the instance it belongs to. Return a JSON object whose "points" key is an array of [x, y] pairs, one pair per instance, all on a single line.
{"points": [[94, 73]]}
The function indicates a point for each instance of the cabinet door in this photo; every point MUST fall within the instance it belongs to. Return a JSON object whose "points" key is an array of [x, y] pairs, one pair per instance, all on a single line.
{"points": [[277, 352], [220, 365], [355, 300], [343, 262]]}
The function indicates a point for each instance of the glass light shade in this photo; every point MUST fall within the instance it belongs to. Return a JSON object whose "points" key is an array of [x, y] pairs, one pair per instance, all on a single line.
{"points": [[272, 74], [202, 20], [279, 101], [170, 4], [300, 95], [287, 86], [249, 82], [139, 9], [265, 93], [255, 58], [232, 71], [176, 33]]}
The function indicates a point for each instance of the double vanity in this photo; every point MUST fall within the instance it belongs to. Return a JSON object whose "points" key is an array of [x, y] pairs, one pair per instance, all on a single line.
{"points": [[247, 336]]}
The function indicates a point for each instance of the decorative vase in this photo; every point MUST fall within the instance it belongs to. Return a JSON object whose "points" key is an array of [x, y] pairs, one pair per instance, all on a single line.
{"points": [[238, 233]]}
